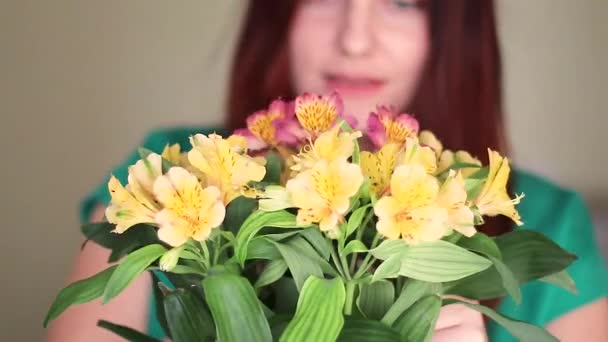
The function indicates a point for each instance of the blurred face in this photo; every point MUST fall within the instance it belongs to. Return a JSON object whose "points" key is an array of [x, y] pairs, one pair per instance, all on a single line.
{"points": [[370, 51]]}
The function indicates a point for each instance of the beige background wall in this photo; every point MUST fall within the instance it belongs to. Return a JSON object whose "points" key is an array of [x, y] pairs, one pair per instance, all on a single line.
{"points": [[82, 81]]}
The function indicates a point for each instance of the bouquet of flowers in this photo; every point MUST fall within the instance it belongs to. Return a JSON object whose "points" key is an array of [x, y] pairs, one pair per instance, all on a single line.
{"points": [[300, 228]]}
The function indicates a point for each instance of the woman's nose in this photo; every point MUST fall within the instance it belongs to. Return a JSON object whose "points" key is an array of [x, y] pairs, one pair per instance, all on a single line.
{"points": [[356, 36]]}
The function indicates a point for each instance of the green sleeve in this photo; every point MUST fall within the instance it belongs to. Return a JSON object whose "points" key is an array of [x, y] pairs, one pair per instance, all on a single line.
{"points": [[576, 234], [562, 216], [154, 141]]}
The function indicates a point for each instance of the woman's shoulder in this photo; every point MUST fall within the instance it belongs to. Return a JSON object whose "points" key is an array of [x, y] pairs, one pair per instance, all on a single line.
{"points": [[155, 140]]}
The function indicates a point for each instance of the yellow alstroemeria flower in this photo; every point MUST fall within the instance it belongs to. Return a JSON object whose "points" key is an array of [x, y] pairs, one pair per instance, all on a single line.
{"points": [[330, 145], [172, 153], [448, 158], [322, 193], [453, 196], [134, 203], [427, 138], [417, 154], [411, 212], [378, 167], [189, 210], [224, 163], [493, 199]]}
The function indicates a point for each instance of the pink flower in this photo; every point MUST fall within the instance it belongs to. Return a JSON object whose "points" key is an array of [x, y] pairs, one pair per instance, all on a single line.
{"points": [[386, 126], [261, 131]]}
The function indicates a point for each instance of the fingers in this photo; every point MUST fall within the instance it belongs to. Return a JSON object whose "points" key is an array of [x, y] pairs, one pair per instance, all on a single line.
{"points": [[460, 333], [457, 323], [458, 314]]}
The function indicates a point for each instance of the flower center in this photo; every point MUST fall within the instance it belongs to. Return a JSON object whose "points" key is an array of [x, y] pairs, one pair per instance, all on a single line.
{"points": [[316, 116]]}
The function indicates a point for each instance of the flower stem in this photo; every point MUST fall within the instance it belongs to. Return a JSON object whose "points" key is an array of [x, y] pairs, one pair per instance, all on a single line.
{"points": [[368, 258], [350, 295], [338, 264], [217, 250], [360, 230], [205, 250]]}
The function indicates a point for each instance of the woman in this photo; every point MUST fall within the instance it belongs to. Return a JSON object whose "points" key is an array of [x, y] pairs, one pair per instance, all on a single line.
{"points": [[437, 59]]}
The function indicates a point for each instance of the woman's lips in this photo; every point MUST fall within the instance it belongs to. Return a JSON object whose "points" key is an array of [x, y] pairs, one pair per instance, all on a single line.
{"points": [[353, 85]]}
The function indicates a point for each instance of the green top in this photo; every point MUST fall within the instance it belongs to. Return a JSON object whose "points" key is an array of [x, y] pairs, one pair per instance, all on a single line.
{"points": [[559, 213]]}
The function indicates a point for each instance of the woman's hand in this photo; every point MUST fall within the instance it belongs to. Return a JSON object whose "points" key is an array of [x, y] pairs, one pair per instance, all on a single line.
{"points": [[458, 323]]}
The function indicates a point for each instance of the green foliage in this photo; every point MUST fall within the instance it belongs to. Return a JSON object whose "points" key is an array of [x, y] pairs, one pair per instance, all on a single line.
{"points": [[80, 292], [130, 268], [319, 313], [127, 333], [375, 298], [187, 316], [236, 311], [437, 261], [120, 244]]}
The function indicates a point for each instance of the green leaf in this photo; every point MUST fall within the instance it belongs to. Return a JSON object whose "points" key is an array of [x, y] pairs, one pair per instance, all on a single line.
{"points": [[531, 255], [130, 268], [528, 254], [355, 219], [273, 271], [354, 246], [388, 248], [278, 323], [187, 316], [437, 261], [561, 279], [411, 293], [274, 167], [363, 330], [121, 244], [473, 186], [440, 261], [482, 173], [254, 223], [484, 285], [319, 313], [480, 243], [235, 308], [388, 269], [483, 244], [523, 331], [237, 211], [159, 289], [82, 291], [418, 322], [300, 264], [125, 332], [318, 241], [262, 247], [375, 298], [286, 296], [185, 269], [305, 248], [282, 236], [509, 282]]}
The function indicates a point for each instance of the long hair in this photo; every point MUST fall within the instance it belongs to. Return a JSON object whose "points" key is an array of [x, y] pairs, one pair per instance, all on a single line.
{"points": [[459, 95]]}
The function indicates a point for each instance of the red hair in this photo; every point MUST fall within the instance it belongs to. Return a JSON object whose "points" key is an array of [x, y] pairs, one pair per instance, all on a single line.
{"points": [[458, 97]]}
